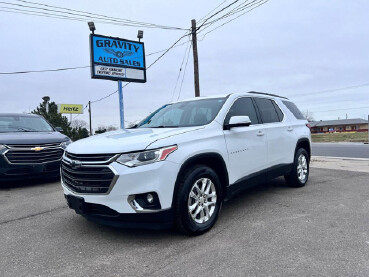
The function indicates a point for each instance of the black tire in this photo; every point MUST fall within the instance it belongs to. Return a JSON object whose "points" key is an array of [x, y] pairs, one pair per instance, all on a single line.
{"points": [[292, 179], [184, 222]]}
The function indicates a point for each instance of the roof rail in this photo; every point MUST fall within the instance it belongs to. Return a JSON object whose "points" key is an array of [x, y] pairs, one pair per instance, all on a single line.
{"points": [[263, 93]]}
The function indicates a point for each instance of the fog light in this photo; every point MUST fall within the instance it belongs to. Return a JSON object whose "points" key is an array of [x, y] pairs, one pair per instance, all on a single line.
{"points": [[150, 198]]}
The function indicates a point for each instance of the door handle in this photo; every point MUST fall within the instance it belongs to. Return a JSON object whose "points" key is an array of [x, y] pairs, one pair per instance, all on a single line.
{"points": [[290, 129], [260, 133]]}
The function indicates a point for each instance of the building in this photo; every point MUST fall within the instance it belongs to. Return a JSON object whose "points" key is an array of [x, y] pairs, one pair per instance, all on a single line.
{"points": [[343, 125]]}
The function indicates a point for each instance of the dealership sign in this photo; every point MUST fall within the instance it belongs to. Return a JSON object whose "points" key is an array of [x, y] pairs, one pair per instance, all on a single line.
{"points": [[70, 108], [117, 59]]}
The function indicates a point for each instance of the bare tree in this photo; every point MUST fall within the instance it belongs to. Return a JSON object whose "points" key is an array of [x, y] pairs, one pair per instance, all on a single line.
{"points": [[308, 115], [103, 129], [79, 123]]}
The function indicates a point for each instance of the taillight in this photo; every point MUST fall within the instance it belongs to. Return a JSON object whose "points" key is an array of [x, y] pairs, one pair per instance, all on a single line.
{"points": [[308, 125]]}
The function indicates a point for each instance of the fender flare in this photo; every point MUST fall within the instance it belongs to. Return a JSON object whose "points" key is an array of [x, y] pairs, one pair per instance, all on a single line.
{"points": [[305, 140], [197, 158]]}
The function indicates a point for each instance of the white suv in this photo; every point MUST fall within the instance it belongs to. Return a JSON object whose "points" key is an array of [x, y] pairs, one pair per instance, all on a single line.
{"points": [[178, 165]]}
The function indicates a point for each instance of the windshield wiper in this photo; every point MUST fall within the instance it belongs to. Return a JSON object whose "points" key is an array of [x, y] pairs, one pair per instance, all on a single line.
{"points": [[25, 130], [162, 126]]}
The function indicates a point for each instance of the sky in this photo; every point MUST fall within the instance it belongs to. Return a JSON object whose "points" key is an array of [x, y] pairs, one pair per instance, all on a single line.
{"points": [[310, 51]]}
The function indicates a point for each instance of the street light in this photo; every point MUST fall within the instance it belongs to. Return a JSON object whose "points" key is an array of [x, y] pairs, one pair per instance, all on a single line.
{"points": [[91, 25], [140, 35], [46, 100]]}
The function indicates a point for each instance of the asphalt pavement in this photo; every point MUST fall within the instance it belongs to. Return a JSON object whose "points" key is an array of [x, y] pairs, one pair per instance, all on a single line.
{"points": [[345, 149], [271, 230]]}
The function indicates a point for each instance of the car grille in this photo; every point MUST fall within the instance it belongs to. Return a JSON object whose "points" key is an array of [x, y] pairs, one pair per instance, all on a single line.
{"points": [[33, 145], [87, 179], [23, 154], [90, 157]]}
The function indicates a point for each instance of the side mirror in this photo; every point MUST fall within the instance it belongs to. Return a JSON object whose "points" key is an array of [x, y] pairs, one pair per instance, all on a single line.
{"points": [[59, 129], [237, 121]]}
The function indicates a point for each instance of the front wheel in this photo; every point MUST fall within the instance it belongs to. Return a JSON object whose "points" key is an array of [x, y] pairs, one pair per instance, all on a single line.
{"points": [[300, 172], [198, 201]]}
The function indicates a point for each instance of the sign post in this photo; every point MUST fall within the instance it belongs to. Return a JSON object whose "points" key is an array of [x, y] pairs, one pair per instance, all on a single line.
{"points": [[118, 60], [121, 106]]}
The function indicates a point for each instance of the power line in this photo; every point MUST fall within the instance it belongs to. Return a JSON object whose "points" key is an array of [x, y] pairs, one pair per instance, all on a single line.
{"points": [[41, 71], [184, 73], [98, 15], [219, 26], [214, 14], [180, 69], [166, 51], [77, 67], [70, 14], [236, 10], [332, 90], [199, 21]]}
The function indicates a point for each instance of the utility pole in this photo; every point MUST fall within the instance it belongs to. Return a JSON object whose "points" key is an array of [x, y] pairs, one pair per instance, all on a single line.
{"points": [[89, 111], [195, 58]]}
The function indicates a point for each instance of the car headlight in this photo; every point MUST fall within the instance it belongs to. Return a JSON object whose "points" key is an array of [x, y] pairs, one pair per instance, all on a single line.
{"points": [[2, 146], [146, 157], [65, 143]]}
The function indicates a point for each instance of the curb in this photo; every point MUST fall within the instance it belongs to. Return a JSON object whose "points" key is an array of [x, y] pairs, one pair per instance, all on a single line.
{"points": [[340, 158]]}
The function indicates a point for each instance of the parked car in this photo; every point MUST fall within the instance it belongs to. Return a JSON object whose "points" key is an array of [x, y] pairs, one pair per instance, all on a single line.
{"points": [[179, 164], [29, 147]]}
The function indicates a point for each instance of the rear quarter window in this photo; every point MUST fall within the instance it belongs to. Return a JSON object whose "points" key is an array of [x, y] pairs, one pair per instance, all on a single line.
{"points": [[294, 110], [267, 110]]}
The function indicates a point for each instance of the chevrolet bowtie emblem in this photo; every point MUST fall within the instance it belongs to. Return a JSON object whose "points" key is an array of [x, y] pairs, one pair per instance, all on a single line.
{"points": [[37, 149]]}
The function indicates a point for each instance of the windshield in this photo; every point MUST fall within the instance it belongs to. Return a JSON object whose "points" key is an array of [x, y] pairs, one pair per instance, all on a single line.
{"points": [[24, 124], [184, 114]]}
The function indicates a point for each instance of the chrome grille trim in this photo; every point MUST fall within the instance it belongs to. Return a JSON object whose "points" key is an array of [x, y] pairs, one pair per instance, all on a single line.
{"points": [[87, 182], [91, 159], [23, 154]]}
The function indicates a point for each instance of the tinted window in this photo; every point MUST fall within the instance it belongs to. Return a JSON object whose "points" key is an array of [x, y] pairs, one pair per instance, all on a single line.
{"points": [[293, 109], [279, 112], [267, 110], [243, 106]]}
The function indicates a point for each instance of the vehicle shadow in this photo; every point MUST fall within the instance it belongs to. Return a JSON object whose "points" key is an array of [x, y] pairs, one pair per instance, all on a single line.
{"points": [[244, 200], [44, 181]]}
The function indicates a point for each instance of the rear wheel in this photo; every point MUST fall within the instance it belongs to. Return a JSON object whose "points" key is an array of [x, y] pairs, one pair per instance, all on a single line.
{"points": [[198, 200], [300, 172]]}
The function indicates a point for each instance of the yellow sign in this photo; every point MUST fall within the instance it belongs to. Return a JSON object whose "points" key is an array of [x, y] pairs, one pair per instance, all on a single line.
{"points": [[70, 108]]}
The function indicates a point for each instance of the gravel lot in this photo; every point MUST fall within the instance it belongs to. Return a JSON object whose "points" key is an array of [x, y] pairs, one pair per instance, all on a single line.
{"points": [[271, 230]]}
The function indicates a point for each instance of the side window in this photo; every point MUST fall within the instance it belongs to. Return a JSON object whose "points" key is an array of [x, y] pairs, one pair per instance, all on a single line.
{"points": [[294, 110], [267, 110], [243, 106], [279, 112]]}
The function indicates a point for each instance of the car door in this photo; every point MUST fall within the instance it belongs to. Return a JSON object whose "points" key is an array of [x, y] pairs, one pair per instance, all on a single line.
{"points": [[246, 146], [281, 141]]}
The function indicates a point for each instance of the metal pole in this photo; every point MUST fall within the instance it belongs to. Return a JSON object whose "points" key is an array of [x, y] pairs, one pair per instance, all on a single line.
{"points": [[121, 106], [89, 111], [195, 58], [70, 118]]}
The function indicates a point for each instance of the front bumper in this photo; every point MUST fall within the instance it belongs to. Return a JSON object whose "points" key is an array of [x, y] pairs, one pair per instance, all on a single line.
{"points": [[12, 172], [104, 215], [158, 177]]}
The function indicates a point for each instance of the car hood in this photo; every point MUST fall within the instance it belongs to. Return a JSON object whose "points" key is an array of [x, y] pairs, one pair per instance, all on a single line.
{"points": [[32, 137], [125, 140]]}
